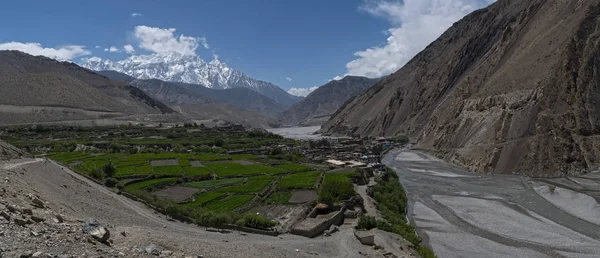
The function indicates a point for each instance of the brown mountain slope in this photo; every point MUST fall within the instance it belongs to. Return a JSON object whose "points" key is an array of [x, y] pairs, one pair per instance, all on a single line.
{"points": [[508, 89], [226, 112], [39, 89], [324, 101]]}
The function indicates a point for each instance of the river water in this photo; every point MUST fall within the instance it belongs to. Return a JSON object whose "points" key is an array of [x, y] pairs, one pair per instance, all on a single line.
{"points": [[461, 214]]}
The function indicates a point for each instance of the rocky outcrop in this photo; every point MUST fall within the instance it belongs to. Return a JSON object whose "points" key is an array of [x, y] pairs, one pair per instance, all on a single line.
{"points": [[512, 88], [93, 228], [8, 151]]}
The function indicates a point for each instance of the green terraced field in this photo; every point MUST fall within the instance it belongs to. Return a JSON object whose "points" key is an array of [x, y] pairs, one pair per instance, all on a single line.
{"points": [[90, 164], [229, 204], [208, 184], [254, 184], [184, 162], [244, 156], [299, 180], [334, 176], [294, 167], [204, 198], [197, 171], [168, 170], [68, 157], [151, 182]]}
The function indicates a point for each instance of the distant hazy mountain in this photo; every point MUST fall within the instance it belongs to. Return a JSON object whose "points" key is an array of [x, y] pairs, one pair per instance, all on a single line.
{"points": [[175, 67], [183, 93], [39, 89], [316, 108]]}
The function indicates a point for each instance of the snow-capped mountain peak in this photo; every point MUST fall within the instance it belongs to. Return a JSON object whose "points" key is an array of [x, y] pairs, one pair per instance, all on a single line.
{"points": [[176, 67]]}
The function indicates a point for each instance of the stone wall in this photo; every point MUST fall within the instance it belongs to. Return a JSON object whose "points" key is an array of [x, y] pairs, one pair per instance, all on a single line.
{"points": [[312, 227]]}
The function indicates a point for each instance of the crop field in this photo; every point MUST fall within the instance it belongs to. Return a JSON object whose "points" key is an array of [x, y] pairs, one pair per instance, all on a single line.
{"points": [[197, 171], [230, 169], [254, 184], [210, 184], [294, 167], [68, 157], [229, 204], [192, 161], [338, 176], [168, 170], [300, 180], [204, 198], [148, 183]]}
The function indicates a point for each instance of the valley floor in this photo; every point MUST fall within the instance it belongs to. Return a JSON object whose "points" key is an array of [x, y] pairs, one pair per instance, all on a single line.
{"points": [[462, 214], [78, 199]]}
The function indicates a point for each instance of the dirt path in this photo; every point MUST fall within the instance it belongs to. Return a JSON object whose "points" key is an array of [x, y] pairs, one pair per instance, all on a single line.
{"points": [[22, 163], [368, 201]]}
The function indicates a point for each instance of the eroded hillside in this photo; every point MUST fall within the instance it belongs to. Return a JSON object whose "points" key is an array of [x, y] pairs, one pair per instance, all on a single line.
{"points": [[512, 88]]}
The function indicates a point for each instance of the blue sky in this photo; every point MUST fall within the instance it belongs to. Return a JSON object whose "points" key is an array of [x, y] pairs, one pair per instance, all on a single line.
{"points": [[294, 44]]}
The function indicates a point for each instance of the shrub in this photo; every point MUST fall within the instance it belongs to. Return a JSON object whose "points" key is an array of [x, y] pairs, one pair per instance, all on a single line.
{"points": [[335, 189], [109, 169], [111, 182], [366, 222], [257, 221], [97, 174]]}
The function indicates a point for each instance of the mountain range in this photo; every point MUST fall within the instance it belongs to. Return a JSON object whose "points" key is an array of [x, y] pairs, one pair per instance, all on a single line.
{"points": [[176, 67], [320, 104], [512, 88], [178, 93]]}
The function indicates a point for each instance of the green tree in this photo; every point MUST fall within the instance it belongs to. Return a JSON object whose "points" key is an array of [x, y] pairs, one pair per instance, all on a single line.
{"points": [[110, 170]]}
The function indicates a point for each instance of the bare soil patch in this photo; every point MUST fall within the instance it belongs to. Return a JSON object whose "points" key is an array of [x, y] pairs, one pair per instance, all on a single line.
{"points": [[177, 193], [245, 162], [196, 163], [285, 215], [303, 196], [164, 162]]}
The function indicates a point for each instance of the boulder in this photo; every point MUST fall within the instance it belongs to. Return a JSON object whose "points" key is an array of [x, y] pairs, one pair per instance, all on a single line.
{"points": [[21, 222], [11, 208], [59, 218], [152, 249], [5, 215], [37, 219], [37, 203], [365, 237], [27, 211], [96, 230]]}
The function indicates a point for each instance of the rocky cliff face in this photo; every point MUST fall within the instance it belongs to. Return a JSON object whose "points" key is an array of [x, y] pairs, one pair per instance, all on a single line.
{"points": [[513, 88], [324, 101]]}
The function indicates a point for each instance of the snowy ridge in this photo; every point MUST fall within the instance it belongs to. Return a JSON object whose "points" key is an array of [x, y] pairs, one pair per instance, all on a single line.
{"points": [[177, 67]]}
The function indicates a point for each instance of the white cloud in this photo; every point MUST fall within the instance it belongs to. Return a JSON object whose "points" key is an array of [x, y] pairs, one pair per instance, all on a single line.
{"points": [[61, 53], [98, 46], [136, 15], [160, 40], [112, 49], [288, 79], [302, 92], [129, 49], [416, 24]]}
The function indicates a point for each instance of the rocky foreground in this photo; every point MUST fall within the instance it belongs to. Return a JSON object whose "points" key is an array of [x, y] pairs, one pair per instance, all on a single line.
{"points": [[49, 211]]}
